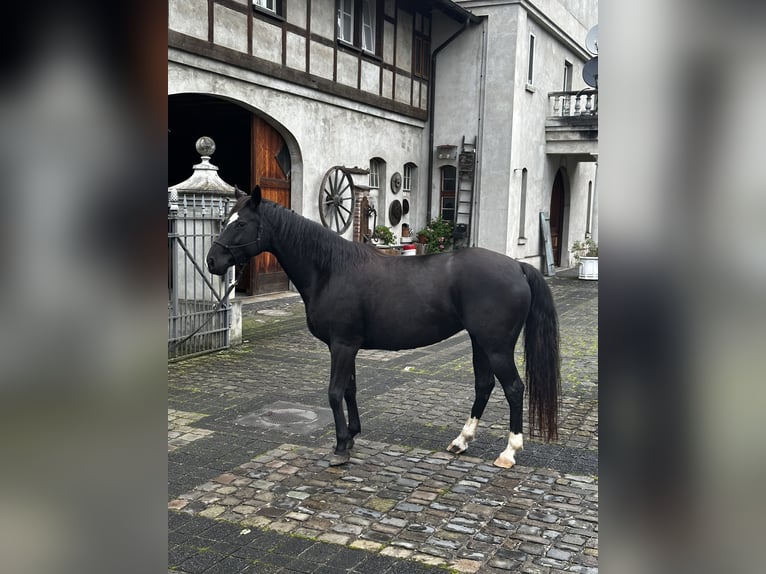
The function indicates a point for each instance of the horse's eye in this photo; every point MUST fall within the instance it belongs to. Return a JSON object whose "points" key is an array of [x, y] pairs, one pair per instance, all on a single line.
{"points": [[241, 223]]}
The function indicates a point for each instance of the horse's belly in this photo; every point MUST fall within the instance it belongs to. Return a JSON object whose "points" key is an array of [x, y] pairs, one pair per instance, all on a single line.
{"points": [[406, 333]]}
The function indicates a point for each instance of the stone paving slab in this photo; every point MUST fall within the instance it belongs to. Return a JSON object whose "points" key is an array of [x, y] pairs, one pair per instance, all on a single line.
{"points": [[433, 507], [250, 499]]}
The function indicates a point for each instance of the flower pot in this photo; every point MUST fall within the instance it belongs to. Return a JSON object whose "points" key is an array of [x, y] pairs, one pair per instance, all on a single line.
{"points": [[589, 268]]}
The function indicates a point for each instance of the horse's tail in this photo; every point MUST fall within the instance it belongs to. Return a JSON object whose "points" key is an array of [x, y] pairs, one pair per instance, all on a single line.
{"points": [[543, 362]]}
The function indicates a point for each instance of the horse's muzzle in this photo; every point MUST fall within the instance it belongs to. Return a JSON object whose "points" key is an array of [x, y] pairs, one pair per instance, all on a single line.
{"points": [[217, 264]]}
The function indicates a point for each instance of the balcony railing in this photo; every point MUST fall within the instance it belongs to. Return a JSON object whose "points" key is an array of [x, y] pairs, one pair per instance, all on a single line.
{"points": [[580, 104]]}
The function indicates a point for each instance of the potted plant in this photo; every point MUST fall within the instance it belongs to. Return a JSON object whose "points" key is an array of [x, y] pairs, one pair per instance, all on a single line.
{"points": [[586, 255], [437, 235], [382, 235]]}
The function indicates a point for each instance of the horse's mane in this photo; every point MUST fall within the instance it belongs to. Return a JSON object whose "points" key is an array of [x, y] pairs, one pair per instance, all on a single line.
{"points": [[328, 250]]}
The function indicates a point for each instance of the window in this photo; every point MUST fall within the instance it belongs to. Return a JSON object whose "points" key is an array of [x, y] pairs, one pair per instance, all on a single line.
{"points": [[276, 7], [346, 21], [358, 23], [368, 25], [407, 176], [421, 55], [531, 66], [448, 186], [523, 206], [375, 173], [567, 77]]}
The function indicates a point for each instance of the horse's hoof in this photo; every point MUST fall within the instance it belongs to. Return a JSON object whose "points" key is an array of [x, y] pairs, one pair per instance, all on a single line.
{"points": [[458, 446], [349, 444], [504, 462], [338, 459]]}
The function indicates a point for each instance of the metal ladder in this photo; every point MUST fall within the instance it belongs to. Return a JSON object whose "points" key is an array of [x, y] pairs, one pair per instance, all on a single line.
{"points": [[465, 185]]}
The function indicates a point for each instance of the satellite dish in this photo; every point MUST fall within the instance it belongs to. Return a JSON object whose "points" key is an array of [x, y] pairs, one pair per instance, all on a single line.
{"points": [[590, 72], [591, 40]]}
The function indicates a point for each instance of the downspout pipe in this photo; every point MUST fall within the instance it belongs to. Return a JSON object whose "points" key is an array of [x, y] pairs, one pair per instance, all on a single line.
{"points": [[431, 112]]}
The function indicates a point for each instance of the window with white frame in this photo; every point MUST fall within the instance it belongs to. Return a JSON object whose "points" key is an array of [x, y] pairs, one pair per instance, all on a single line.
{"points": [[531, 64], [374, 173], [567, 87], [357, 23], [346, 21], [407, 177], [368, 25], [273, 6]]}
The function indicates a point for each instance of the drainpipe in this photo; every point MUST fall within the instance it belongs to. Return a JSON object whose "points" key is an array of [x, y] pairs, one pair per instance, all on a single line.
{"points": [[431, 100]]}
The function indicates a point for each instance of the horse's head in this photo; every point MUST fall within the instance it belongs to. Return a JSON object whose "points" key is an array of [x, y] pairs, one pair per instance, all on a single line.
{"points": [[240, 238]]}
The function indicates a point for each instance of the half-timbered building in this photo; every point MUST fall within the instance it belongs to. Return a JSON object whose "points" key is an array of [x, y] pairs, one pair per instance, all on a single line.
{"points": [[414, 108]]}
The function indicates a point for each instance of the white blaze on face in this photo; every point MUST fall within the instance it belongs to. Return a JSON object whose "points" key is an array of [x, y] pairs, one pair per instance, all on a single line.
{"points": [[232, 219]]}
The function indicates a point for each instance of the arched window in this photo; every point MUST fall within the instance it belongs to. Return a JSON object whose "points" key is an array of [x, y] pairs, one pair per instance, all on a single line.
{"points": [[375, 172], [409, 177]]}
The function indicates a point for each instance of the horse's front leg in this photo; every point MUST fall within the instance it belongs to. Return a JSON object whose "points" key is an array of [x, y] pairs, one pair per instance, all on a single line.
{"points": [[341, 379], [485, 382], [354, 424]]}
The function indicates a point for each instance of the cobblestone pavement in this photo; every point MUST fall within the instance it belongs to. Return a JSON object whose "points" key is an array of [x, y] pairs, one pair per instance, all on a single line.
{"points": [[250, 490]]}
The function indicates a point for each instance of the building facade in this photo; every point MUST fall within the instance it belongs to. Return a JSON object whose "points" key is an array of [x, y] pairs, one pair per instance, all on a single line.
{"points": [[297, 93]]}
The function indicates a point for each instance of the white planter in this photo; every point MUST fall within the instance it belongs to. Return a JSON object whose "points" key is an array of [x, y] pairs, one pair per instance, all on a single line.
{"points": [[589, 268]]}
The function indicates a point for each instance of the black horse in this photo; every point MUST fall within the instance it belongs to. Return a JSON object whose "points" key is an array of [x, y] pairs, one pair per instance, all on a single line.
{"points": [[357, 298]]}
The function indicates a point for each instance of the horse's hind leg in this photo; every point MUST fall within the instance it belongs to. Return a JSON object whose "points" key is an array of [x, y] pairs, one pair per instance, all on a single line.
{"points": [[485, 382], [341, 373], [514, 393]]}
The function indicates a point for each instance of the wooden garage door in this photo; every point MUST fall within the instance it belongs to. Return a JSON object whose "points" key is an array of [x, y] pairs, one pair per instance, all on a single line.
{"points": [[271, 170]]}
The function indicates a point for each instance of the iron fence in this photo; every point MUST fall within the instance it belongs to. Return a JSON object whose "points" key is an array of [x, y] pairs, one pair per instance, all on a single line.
{"points": [[194, 294]]}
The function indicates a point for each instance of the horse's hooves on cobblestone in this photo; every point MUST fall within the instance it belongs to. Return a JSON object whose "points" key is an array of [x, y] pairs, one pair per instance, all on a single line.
{"points": [[457, 447], [504, 462], [338, 459]]}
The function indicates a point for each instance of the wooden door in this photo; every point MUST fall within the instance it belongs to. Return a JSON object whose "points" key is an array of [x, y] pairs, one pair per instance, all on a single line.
{"points": [[557, 217], [271, 170]]}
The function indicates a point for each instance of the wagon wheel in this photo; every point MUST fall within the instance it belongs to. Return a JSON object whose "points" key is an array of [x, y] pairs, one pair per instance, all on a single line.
{"points": [[336, 200]]}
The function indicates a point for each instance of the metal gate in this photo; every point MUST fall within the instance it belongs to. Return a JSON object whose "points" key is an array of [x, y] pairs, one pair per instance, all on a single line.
{"points": [[199, 318], [193, 293]]}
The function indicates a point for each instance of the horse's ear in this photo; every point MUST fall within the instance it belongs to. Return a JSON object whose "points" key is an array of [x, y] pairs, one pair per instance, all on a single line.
{"points": [[255, 196], [238, 192]]}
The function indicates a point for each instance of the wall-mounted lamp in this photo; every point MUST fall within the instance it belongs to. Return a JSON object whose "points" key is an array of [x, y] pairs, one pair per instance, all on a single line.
{"points": [[446, 152]]}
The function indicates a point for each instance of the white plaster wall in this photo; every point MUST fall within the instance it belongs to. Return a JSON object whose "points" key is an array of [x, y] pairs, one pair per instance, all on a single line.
{"points": [[267, 41], [387, 89], [230, 28], [296, 52], [321, 62], [348, 68], [323, 130], [322, 19], [528, 137], [514, 117], [296, 14], [188, 17], [370, 80], [403, 89]]}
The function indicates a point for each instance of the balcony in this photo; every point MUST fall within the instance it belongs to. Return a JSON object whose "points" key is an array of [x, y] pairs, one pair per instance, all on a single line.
{"points": [[571, 127]]}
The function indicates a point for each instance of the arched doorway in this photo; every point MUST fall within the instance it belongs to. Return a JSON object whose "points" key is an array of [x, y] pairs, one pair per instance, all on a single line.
{"points": [[558, 203], [249, 151]]}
